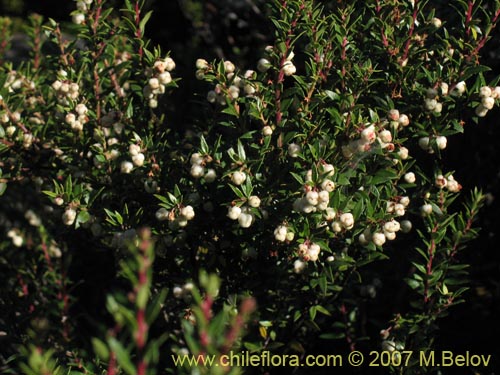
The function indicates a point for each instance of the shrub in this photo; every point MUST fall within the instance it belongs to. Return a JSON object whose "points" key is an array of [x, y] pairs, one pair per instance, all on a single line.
{"points": [[312, 184]]}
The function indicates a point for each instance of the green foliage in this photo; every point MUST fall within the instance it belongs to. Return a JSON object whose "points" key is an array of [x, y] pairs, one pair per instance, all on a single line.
{"points": [[277, 203]]}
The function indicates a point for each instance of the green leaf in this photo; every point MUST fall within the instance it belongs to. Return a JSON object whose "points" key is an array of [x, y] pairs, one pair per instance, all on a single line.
{"points": [[145, 20], [122, 356], [100, 348]]}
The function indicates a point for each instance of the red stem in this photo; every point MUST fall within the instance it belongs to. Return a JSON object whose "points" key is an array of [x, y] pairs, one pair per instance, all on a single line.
{"points": [[410, 33], [138, 32], [468, 17]]}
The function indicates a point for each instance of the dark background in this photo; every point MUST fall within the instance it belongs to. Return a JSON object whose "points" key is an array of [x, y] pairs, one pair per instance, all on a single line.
{"points": [[239, 30]]}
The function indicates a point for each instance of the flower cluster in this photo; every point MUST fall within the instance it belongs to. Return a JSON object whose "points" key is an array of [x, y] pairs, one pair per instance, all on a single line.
{"points": [[160, 77], [316, 198], [178, 218], [243, 214], [82, 7], [386, 233], [198, 170], [488, 96], [79, 118], [16, 81], [282, 233], [449, 183], [309, 251], [65, 89], [232, 87]]}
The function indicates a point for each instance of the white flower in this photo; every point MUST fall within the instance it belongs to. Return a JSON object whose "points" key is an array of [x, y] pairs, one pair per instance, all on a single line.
{"points": [[233, 91], [488, 102], [169, 64], [78, 18], [399, 209], [405, 201], [313, 252], [197, 171], [153, 103], [245, 220], [444, 88], [234, 212], [481, 110], [69, 216], [392, 226], [263, 65], [267, 131], [378, 238], [430, 104], [238, 177], [134, 149], [328, 185], [188, 212], [368, 134], [390, 236], [329, 214], [81, 109], [347, 220], [138, 159], [210, 176], [453, 185], [312, 197], [404, 120], [485, 92], [229, 66], [337, 226], [289, 69], [202, 64], [496, 92], [280, 233], [299, 266], [196, 158], [165, 78], [254, 201], [126, 167], [249, 89], [161, 214], [70, 118], [177, 292], [460, 88], [323, 196], [426, 209], [385, 136], [403, 153], [441, 142], [436, 22], [393, 115], [440, 181], [327, 169], [17, 241], [154, 83], [294, 150], [410, 177]]}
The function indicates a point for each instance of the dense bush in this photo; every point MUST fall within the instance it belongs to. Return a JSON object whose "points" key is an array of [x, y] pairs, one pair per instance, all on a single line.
{"points": [[304, 198]]}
